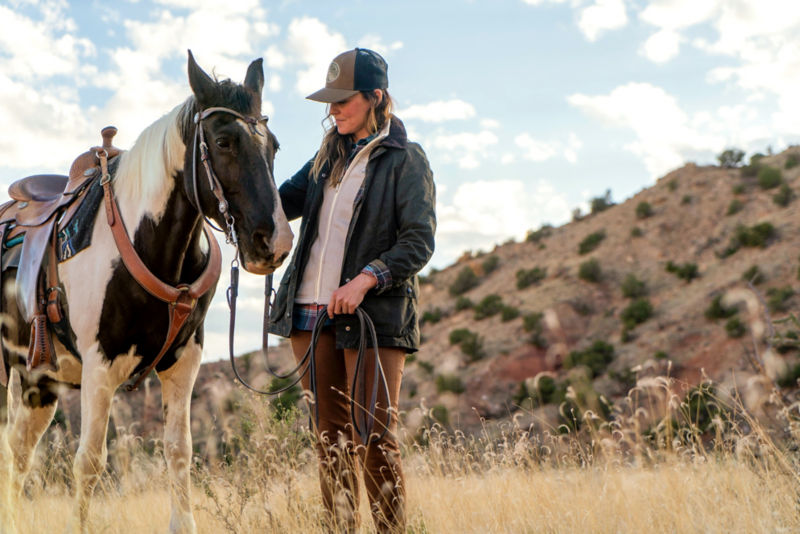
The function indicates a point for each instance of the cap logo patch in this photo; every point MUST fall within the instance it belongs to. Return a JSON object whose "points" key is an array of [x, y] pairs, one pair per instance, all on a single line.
{"points": [[333, 72]]}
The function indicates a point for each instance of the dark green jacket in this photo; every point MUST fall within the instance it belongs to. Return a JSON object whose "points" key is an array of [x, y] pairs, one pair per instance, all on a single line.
{"points": [[393, 223]]}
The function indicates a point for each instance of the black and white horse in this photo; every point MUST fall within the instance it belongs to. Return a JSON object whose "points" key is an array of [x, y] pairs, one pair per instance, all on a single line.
{"points": [[118, 327]]}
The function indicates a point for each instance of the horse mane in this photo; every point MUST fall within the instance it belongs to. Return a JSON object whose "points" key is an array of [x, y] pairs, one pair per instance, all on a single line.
{"points": [[144, 177]]}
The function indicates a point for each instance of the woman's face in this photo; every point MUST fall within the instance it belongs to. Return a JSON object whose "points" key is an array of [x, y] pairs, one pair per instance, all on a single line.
{"points": [[351, 115]]}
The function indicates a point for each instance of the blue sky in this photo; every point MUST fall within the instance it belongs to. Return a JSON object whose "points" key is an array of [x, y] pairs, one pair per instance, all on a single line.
{"points": [[526, 108]]}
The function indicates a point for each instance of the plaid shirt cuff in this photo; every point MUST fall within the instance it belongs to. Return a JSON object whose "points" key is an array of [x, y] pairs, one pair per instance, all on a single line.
{"points": [[381, 272]]}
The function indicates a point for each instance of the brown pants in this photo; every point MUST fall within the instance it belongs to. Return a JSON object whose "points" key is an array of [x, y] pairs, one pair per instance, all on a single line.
{"points": [[341, 453]]}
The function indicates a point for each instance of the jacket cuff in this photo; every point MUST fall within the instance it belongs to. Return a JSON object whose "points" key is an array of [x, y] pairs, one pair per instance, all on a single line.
{"points": [[381, 272]]}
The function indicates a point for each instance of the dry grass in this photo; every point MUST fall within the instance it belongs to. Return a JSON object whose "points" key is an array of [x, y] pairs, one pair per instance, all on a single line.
{"points": [[637, 472]]}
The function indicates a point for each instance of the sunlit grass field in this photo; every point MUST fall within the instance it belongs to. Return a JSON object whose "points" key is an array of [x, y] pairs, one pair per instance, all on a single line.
{"points": [[655, 464]]}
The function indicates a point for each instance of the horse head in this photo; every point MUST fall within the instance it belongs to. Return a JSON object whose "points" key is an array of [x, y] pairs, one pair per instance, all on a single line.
{"points": [[228, 175]]}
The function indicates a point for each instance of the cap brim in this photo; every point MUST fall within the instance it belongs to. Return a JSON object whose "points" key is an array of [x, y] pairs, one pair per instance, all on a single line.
{"points": [[329, 96]]}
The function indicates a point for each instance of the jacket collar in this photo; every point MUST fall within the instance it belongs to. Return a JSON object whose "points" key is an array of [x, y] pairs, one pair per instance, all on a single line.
{"points": [[397, 135]]}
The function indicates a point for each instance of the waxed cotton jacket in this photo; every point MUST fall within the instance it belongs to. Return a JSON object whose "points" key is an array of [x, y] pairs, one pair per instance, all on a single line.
{"points": [[393, 222]]}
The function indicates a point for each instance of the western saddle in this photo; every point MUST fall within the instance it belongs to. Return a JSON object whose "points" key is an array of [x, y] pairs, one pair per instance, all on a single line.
{"points": [[39, 208]]}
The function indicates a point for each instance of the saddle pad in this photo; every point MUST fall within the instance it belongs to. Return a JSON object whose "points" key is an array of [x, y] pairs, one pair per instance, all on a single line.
{"points": [[76, 234]]}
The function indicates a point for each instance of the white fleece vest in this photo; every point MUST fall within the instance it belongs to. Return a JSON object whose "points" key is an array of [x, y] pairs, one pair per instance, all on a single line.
{"points": [[324, 269]]}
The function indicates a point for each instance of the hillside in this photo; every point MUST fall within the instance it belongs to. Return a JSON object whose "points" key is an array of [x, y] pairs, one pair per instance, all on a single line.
{"points": [[694, 215]]}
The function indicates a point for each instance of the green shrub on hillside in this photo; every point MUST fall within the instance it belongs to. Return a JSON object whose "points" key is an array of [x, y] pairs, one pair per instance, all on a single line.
{"points": [[769, 177], [730, 158], [758, 235], [686, 271], [791, 162], [469, 342], [777, 298], [509, 313], [450, 383], [465, 280], [753, 275], [598, 204], [590, 271], [490, 264], [463, 303], [738, 189], [528, 277], [637, 312], [534, 236], [735, 327], [784, 196], [488, 306], [687, 199], [532, 322], [549, 391], [432, 316], [672, 185], [636, 232], [751, 169], [717, 310], [596, 357], [735, 207], [591, 242], [632, 287], [644, 210]]}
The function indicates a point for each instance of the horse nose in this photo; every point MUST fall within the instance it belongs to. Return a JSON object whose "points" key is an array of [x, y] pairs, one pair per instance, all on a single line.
{"points": [[261, 240]]}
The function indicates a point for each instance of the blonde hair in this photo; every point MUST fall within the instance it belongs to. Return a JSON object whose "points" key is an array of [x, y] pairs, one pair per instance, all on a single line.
{"points": [[335, 147]]}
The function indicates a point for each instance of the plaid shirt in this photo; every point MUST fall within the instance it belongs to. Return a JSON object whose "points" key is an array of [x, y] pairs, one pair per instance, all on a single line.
{"points": [[305, 316]]}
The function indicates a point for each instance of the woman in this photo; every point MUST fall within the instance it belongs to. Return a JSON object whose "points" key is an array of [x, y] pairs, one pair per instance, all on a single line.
{"points": [[367, 205]]}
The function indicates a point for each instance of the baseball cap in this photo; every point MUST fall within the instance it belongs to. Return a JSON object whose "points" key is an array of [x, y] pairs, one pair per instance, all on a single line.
{"points": [[356, 70]]}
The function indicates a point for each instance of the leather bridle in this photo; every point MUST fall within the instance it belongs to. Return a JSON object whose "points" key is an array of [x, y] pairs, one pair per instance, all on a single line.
{"points": [[213, 182]]}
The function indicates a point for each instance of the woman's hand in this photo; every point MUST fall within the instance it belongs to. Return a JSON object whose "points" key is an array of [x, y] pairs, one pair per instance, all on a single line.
{"points": [[347, 298]]}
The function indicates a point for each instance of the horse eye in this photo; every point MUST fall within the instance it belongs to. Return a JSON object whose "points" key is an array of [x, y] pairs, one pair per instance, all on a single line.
{"points": [[223, 142]]}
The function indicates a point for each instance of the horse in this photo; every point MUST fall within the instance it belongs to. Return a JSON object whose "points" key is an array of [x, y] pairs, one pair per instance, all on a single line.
{"points": [[118, 327]]}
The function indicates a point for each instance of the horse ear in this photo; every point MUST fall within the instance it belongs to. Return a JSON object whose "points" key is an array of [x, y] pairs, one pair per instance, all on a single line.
{"points": [[254, 80], [201, 83]]}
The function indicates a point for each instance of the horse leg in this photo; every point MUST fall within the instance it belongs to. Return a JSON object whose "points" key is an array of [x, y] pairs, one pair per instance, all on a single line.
{"points": [[97, 391], [176, 393], [27, 425]]}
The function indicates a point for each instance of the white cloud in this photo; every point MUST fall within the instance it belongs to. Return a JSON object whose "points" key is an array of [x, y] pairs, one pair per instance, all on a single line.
{"points": [[312, 45], [375, 42], [274, 82], [274, 58], [33, 50], [467, 149], [662, 46], [536, 150], [490, 124], [439, 111], [760, 35], [665, 135], [484, 213], [602, 16]]}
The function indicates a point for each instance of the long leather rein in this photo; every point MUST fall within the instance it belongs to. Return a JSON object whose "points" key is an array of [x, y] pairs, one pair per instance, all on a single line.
{"points": [[362, 409]]}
